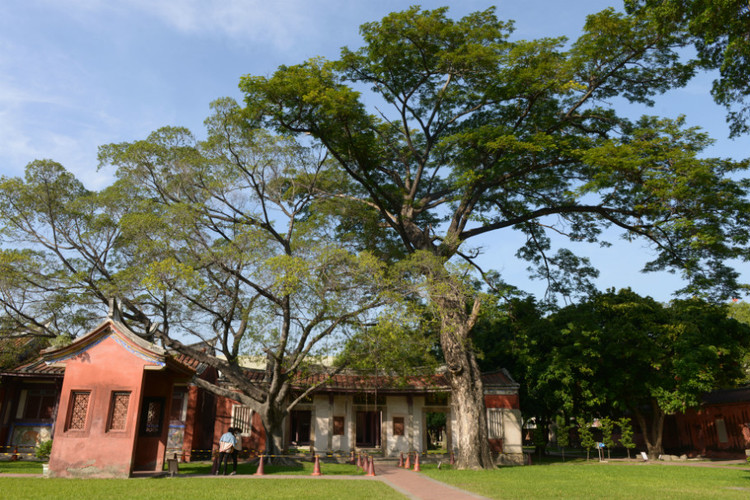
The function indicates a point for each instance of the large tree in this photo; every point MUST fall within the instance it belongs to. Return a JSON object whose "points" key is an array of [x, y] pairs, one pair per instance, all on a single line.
{"points": [[212, 242], [449, 130], [619, 351]]}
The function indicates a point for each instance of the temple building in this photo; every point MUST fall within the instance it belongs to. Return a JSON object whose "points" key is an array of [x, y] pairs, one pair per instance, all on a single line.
{"points": [[116, 405]]}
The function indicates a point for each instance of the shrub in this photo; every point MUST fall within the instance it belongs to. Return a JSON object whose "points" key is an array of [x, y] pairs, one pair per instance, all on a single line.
{"points": [[43, 449]]}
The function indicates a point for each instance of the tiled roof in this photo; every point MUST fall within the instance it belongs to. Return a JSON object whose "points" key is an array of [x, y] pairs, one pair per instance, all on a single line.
{"points": [[353, 382], [187, 362], [499, 378], [36, 368]]}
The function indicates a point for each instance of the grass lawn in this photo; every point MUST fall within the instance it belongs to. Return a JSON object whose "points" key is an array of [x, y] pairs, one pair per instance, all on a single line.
{"points": [[218, 488], [303, 468], [596, 481], [20, 467], [571, 480], [197, 488]]}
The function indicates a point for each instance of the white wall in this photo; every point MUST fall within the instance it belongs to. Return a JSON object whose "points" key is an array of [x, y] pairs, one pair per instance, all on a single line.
{"points": [[512, 441], [323, 424]]}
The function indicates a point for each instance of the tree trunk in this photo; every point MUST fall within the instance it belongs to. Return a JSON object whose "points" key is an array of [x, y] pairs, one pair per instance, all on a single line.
{"points": [[467, 392], [273, 424], [654, 433]]}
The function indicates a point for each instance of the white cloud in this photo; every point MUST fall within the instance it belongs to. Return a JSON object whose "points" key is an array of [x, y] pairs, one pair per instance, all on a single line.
{"points": [[280, 23]]}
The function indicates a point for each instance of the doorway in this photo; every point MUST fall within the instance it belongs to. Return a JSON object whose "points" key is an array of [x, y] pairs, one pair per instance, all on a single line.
{"points": [[368, 429], [300, 425]]}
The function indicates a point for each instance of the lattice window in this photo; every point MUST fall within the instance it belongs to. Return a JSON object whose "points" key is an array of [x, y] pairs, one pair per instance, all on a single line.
{"points": [[242, 418], [495, 423], [119, 411], [153, 417], [79, 405]]}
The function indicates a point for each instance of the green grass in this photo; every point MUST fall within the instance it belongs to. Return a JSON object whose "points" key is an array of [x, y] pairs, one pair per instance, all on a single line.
{"points": [[301, 468], [21, 467], [597, 481], [570, 480], [218, 488]]}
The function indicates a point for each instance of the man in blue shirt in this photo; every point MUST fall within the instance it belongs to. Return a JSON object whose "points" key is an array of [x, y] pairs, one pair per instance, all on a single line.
{"points": [[228, 446]]}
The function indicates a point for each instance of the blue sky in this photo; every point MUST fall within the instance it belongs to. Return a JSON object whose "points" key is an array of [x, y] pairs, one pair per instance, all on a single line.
{"points": [[75, 74]]}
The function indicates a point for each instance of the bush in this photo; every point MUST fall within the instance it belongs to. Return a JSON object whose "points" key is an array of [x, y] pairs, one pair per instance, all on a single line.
{"points": [[43, 449]]}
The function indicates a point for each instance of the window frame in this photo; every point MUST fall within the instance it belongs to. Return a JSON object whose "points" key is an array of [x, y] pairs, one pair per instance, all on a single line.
{"points": [[143, 428], [74, 394], [111, 415]]}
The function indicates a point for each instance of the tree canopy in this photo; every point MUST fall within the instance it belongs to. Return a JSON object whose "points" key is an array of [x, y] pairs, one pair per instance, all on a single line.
{"points": [[448, 130], [718, 31], [619, 353], [205, 243]]}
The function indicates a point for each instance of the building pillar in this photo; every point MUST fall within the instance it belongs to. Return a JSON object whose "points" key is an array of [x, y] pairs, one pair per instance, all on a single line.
{"points": [[330, 422]]}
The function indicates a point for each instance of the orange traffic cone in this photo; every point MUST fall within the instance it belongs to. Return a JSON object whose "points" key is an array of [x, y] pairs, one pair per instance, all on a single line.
{"points": [[371, 467], [416, 463], [260, 471], [316, 469], [407, 465], [401, 460]]}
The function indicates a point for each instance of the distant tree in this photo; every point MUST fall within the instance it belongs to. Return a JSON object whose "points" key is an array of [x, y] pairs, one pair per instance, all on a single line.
{"points": [[563, 434], [588, 442], [623, 351], [626, 434], [400, 344], [608, 429], [740, 310]]}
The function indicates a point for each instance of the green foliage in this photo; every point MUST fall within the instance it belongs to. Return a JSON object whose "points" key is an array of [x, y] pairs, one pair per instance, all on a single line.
{"points": [[718, 31], [740, 310], [480, 133], [563, 432], [608, 428], [43, 450], [588, 442], [503, 133], [619, 351], [392, 347], [626, 433]]}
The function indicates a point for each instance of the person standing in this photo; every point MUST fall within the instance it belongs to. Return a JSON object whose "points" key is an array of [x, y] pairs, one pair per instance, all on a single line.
{"points": [[227, 448]]}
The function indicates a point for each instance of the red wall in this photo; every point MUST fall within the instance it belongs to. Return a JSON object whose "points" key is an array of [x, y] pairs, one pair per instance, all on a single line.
{"points": [[696, 432], [150, 450], [255, 443], [96, 451]]}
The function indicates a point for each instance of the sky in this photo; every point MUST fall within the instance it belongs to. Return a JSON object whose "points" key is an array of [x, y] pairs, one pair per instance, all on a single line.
{"points": [[77, 74]]}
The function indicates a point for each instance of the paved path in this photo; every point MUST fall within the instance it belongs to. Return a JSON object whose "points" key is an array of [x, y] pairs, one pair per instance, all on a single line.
{"points": [[418, 486]]}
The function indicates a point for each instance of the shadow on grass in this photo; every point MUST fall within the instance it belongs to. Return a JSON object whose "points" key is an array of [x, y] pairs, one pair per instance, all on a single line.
{"points": [[296, 467]]}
